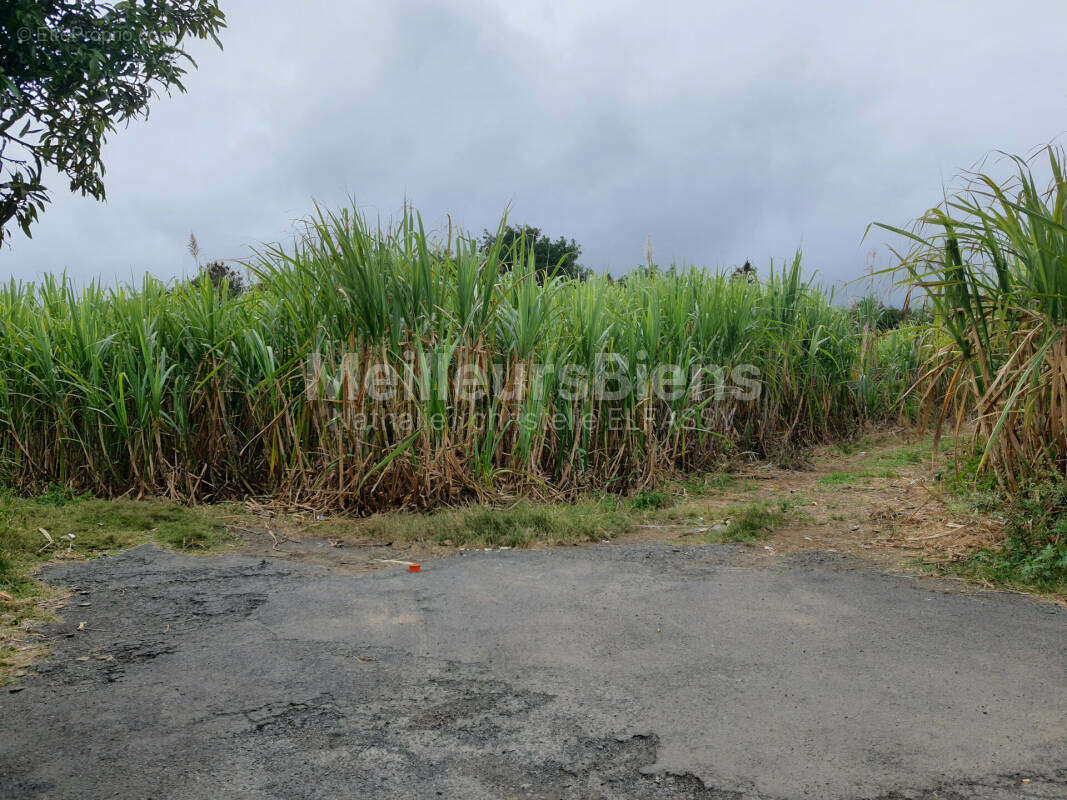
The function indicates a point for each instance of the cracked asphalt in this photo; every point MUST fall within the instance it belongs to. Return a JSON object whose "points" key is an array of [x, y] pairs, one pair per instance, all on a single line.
{"points": [[617, 671]]}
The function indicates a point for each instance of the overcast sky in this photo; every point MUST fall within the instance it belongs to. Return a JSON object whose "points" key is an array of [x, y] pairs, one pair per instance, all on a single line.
{"points": [[723, 130]]}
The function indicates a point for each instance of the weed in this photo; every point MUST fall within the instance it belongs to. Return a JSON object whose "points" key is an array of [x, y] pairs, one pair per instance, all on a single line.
{"points": [[60, 496], [856, 477], [752, 521], [790, 456], [839, 479], [699, 485], [521, 525], [901, 457], [1034, 555], [1017, 564], [720, 480], [649, 500], [13, 580], [849, 447]]}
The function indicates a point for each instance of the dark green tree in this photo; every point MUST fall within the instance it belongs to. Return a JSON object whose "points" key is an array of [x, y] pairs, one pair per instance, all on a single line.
{"points": [[551, 257], [745, 272], [71, 71], [872, 313]]}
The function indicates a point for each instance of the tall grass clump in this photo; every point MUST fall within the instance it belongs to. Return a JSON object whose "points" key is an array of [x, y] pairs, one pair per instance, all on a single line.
{"points": [[992, 258], [370, 367]]}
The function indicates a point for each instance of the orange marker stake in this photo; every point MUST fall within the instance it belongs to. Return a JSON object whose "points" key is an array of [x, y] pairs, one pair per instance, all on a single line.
{"points": [[411, 565]]}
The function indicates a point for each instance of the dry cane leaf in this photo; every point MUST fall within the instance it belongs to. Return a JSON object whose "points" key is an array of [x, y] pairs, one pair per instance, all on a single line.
{"points": [[49, 541]]}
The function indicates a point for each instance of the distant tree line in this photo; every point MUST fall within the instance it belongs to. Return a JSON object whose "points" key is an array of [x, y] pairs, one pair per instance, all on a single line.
{"points": [[558, 257]]}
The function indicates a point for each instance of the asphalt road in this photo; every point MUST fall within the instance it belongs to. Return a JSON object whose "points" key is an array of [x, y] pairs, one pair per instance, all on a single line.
{"points": [[616, 671]]}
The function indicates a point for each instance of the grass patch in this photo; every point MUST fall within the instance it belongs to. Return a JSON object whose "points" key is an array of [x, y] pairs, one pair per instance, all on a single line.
{"points": [[849, 447], [14, 659], [840, 479], [860, 477], [1034, 555], [1018, 564], [970, 490], [720, 480], [711, 483], [752, 521], [880, 460], [651, 500], [12, 579], [521, 525], [901, 457], [98, 526], [791, 456]]}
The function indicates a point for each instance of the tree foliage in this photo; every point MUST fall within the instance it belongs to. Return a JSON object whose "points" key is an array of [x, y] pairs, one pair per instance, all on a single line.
{"points": [[871, 312], [551, 257], [71, 71], [746, 272]]}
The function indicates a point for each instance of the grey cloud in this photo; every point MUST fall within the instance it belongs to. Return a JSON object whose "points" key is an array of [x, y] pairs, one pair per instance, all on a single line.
{"points": [[725, 130]]}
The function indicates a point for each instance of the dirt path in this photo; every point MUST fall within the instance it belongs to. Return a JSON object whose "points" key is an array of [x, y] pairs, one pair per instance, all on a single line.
{"points": [[636, 670], [878, 500]]}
